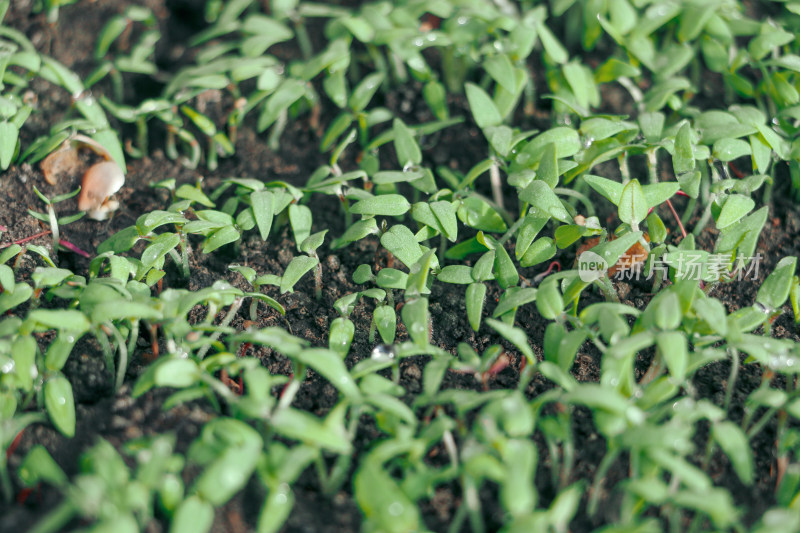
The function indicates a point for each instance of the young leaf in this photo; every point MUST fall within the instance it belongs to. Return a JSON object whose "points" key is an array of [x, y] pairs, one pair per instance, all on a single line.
{"points": [[385, 505], [548, 166], [364, 91], [391, 278], [549, 301], [340, 336], [357, 231], [408, 152], [683, 156], [385, 205], [632, 203], [401, 242], [262, 205], [475, 299], [9, 134], [459, 274], [513, 299], [386, 322], [504, 270], [539, 251], [446, 216], [531, 226], [38, 466], [305, 427], [436, 98], [483, 108], [734, 443], [734, 209], [775, 289], [300, 218], [658, 193], [363, 274], [231, 466], [476, 213], [417, 319], [177, 373], [329, 365], [60, 404], [297, 268], [515, 336], [674, 349], [539, 194], [552, 46], [193, 515], [312, 242], [221, 237]]}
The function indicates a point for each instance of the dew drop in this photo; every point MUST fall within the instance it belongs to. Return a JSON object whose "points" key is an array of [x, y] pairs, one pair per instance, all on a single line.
{"points": [[763, 308], [281, 498], [383, 352], [782, 361], [396, 508], [684, 406]]}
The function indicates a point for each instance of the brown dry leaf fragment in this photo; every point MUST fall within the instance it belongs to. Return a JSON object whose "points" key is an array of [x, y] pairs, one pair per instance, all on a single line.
{"points": [[635, 256], [60, 164]]}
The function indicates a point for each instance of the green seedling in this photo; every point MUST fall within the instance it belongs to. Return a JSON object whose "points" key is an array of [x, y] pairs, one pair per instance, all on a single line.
{"points": [[257, 282], [140, 59], [632, 370], [342, 328], [51, 8], [309, 246], [50, 217]]}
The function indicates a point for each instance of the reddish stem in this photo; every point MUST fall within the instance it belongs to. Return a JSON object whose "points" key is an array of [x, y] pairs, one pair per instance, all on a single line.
{"points": [[69, 246], [291, 377], [26, 239], [736, 172], [677, 218], [14, 444], [554, 264], [22, 497]]}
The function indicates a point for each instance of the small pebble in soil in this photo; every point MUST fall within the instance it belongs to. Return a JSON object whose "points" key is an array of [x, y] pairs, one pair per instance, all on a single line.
{"points": [[383, 352], [333, 262], [623, 289], [413, 371]]}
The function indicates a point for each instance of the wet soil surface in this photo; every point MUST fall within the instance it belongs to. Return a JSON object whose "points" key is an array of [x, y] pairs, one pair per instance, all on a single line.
{"points": [[119, 417]]}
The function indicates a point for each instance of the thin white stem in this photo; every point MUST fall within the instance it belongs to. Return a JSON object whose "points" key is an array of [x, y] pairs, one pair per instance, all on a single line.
{"points": [[497, 185]]}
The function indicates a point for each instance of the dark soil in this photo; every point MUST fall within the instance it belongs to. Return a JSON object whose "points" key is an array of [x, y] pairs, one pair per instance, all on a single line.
{"points": [[119, 418]]}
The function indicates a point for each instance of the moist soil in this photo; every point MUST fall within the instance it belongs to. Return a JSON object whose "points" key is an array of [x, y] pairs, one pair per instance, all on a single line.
{"points": [[120, 417]]}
